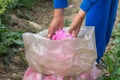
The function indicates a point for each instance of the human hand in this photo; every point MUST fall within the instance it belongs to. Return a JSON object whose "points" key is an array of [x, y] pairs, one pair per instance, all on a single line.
{"points": [[75, 26], [57, 22]]}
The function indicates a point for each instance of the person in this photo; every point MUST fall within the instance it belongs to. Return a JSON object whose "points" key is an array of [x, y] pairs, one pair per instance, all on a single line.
{"points": [[98, 13]]}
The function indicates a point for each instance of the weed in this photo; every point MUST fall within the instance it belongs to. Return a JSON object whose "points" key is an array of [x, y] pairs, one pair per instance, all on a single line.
{"points": [[112, 58], [9, 43]]}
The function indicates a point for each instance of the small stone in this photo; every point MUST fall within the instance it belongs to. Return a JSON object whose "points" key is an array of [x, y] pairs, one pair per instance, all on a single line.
{"points": [[14, 74], [8, 79]]}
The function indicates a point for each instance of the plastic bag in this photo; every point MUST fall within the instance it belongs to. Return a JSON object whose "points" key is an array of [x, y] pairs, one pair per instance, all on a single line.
{"points": [[93, 74], [62, 57], [31, 75]]}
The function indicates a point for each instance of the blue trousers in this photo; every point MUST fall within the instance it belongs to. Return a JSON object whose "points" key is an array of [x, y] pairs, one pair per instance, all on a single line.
{"points": [[103, 18]]}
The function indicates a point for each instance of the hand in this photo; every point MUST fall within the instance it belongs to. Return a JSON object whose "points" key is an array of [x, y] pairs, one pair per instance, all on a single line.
{"points": [[75, 26], [57, 22]]}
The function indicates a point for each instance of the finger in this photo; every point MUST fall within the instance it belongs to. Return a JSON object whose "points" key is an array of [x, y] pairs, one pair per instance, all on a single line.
{"points": [[72, 27], [60, 26], [77, 31], [49, 36], [71, 30], [50, 32]]}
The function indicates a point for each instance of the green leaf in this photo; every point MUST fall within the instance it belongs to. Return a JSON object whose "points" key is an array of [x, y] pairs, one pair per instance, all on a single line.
{"points": [[8, 42], [109, 63], [117, 71], [101, 78], [2, 49], [117, 40], [18, 42], [28, 16], [7, 59], [13, 5]]}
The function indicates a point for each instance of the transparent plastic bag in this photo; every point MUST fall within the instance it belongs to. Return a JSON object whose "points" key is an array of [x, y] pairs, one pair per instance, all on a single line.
{"points": [[93, 74], [61, 57], [31, 75]]}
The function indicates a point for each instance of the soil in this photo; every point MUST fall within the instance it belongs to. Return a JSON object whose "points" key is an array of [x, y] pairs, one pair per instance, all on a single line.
{"points": [[41, 15]]}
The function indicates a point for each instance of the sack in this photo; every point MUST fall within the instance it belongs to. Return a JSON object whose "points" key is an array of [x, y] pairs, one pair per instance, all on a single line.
{"points": [[61, 57], [31, 75], [93, 74]]}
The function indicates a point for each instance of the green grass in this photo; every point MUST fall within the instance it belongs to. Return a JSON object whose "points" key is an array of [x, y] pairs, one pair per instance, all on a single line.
{"points": [[112, 58]]}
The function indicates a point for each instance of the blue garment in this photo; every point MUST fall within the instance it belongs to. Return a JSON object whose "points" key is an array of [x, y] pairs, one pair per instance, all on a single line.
{"points": [[99, 13]]}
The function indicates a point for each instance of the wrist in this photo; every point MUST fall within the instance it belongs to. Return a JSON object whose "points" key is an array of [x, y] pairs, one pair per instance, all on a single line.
{"points": [[58, 13], [81, 14]]}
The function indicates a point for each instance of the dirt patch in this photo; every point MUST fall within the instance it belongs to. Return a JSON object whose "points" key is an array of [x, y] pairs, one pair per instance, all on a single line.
{"points": [[13, 71]]}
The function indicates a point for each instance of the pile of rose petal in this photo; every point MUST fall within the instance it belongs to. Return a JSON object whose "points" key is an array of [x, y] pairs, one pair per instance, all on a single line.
{"points": [[93, 74], [61, 35]]}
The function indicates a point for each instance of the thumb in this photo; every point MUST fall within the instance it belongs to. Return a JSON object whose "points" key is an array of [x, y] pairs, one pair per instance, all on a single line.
{"points": [[50, 32], [71, 30], [49, 36]]}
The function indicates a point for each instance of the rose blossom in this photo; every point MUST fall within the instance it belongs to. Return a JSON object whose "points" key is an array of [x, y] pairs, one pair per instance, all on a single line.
{"points": [[61, 35]]}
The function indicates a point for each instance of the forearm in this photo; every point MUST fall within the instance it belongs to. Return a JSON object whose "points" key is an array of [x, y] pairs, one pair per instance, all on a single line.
{"points": [[81, 14], [76, 23], [59, 6], [58, 13], [79, 18], [57, 22]]}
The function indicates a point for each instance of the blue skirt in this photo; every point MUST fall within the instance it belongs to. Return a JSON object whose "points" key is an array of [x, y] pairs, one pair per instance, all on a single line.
{"points": [[103, 18]]}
